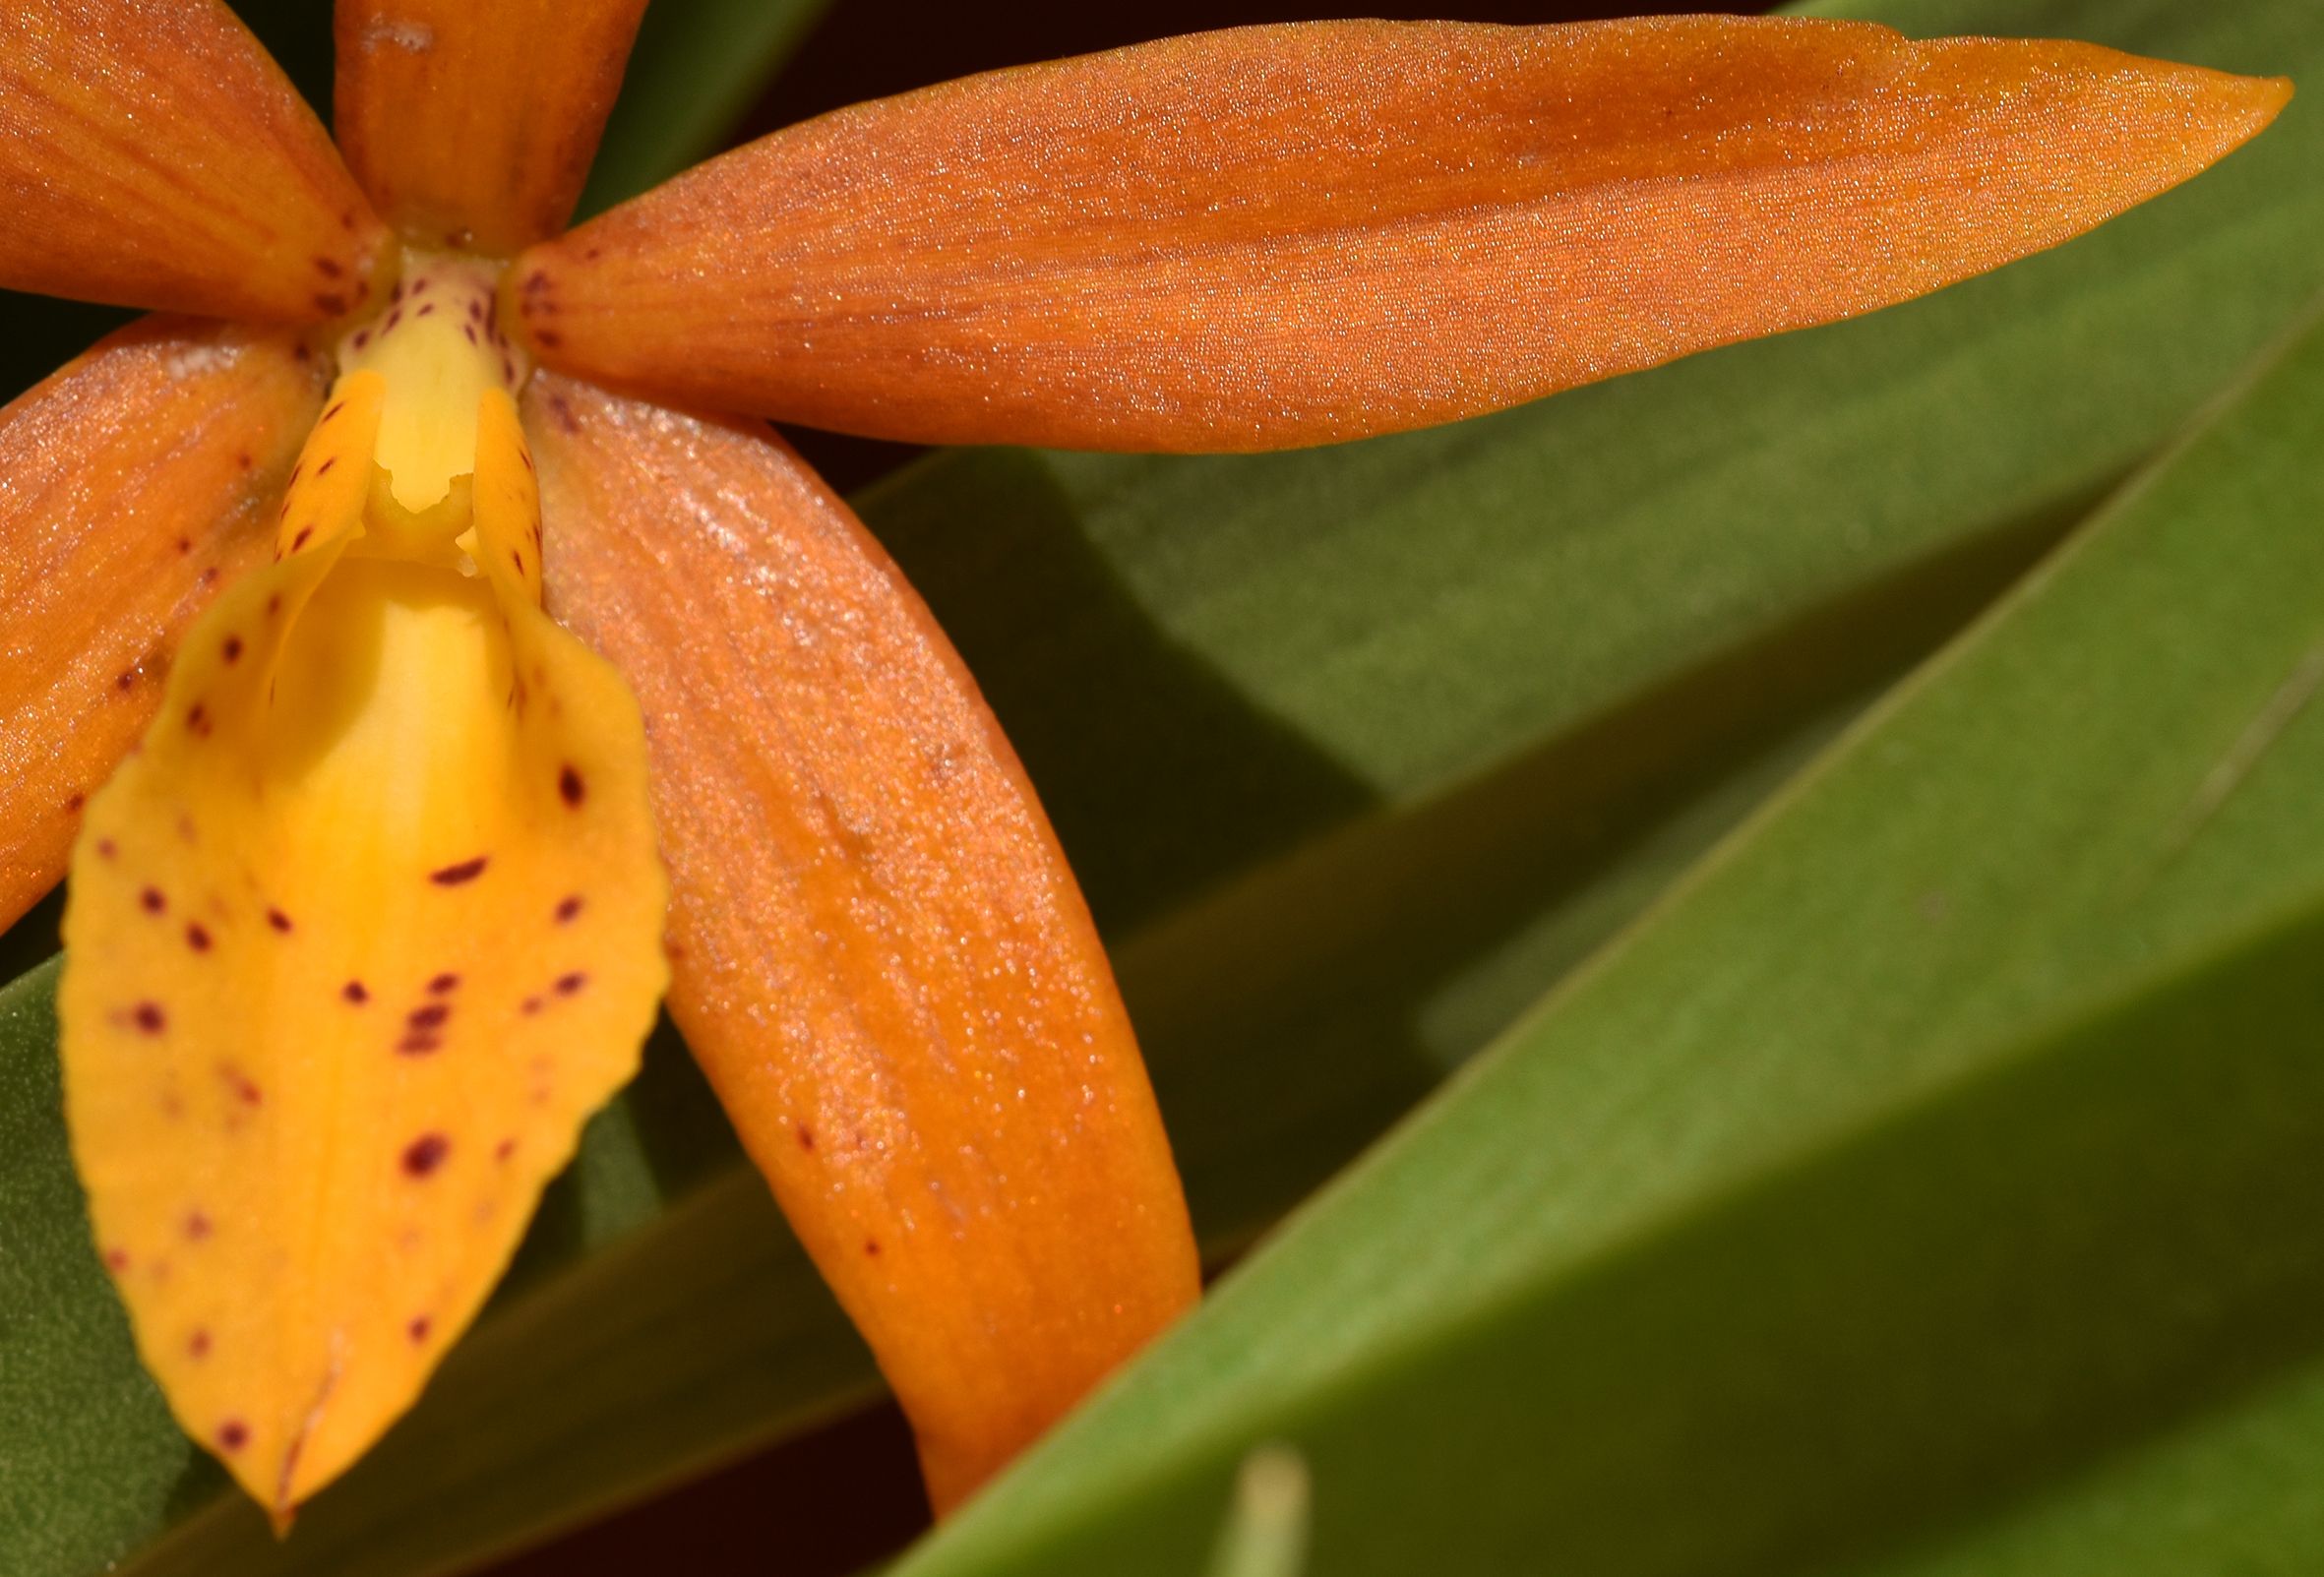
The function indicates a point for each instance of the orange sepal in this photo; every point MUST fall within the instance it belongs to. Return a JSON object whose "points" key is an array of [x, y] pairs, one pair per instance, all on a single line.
{"points": [[151, 156], [472, 124], [1289, 235], [878, 952], [139, 479]]}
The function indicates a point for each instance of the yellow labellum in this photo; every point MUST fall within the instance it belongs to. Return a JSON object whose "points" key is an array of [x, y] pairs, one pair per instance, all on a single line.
{"points": [[361, 936]]}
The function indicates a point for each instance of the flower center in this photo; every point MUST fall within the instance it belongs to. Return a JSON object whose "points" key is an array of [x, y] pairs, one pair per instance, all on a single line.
{"points": [[439, 348]]}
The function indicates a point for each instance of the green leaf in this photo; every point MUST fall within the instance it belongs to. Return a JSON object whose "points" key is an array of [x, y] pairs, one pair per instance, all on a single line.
{"points": [[1357, 751], [1955, 1126], [698, 66]]}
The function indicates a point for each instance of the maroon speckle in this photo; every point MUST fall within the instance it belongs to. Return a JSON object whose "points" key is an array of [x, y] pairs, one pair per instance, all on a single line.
{"points": [[502, 1151], [197, 1226], [872, 1247], [197, 937], [451, 876], [278, 920], [419, 1043], [354, 992], [567, 985], [419, 286], [198, 720], [329, 267], [429, 1017], [362, 338], [329, 462], [571, 786], [116, 1259], [396, 294], [424, 311], [233, 1434], [185, 544], [73, 803], [530, 1006], [245, 1089], [562, 409], [107, 849], [273, 604], [393, 318], [516, 558], [547, 338], [592, 254], [806, 1136], [425, 1154], [442, 984], [151, 902], [147, 1016], [198, 1344], [244, 462], [330, 303], [209, 575], [419, 1327], [336, 408], [232, 649], [536, 282], [471, 331], [299, 541], [124, 679], [569, 908]]}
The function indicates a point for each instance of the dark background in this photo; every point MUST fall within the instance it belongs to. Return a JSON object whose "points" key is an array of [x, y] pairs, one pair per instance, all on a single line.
{"points": [[838, 1499]]}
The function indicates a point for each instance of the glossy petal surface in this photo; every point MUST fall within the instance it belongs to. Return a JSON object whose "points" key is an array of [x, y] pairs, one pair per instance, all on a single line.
{"points": [[151, 156], [1292, 235], [878, 952], [133, 483], [354, 944], [472, 124]]}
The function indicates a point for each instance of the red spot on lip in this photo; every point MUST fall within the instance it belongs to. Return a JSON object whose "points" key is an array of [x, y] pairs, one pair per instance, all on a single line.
{"points": [[418, 1328], [502, 1151], [245, 1089], [278, 920], [425, 1154], [198, 720], [147, 1016], [151, 902], [106, 849], [569, 908], [198, 1344], [806, 1136], [451, 876], [571, 786], [530, 1006], [419, 1043], [299, 541], [197, 937], [73, 803], [354, 992], [547, 338], [324, 469], [335, 408], [567, 985], [233, 1434], [197, 1226], [428, 1017], [872, 1247], [442, 984], [329, 267], [232, 649], [116, 1259]]}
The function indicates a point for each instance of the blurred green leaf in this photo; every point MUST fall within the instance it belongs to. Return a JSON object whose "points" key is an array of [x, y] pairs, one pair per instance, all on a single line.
{"points": [[1957, 1126], [698, 66], [1357, 751]]}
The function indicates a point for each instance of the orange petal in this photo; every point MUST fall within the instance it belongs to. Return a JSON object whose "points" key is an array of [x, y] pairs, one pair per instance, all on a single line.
{"points": [[354, 944], [137, 479], [471, 123], [878, 952], [1298, 234], [151, 156]]}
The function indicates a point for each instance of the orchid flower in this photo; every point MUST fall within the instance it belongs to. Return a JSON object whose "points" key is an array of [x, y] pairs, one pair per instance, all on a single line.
{"points": [[423, 680]]}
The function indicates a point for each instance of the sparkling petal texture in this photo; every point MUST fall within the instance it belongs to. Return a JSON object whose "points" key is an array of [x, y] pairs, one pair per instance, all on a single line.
{"points": [[471, 123], [1298, 234], [134, 483], [878, 952], [151, 156], [354, 944]]}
